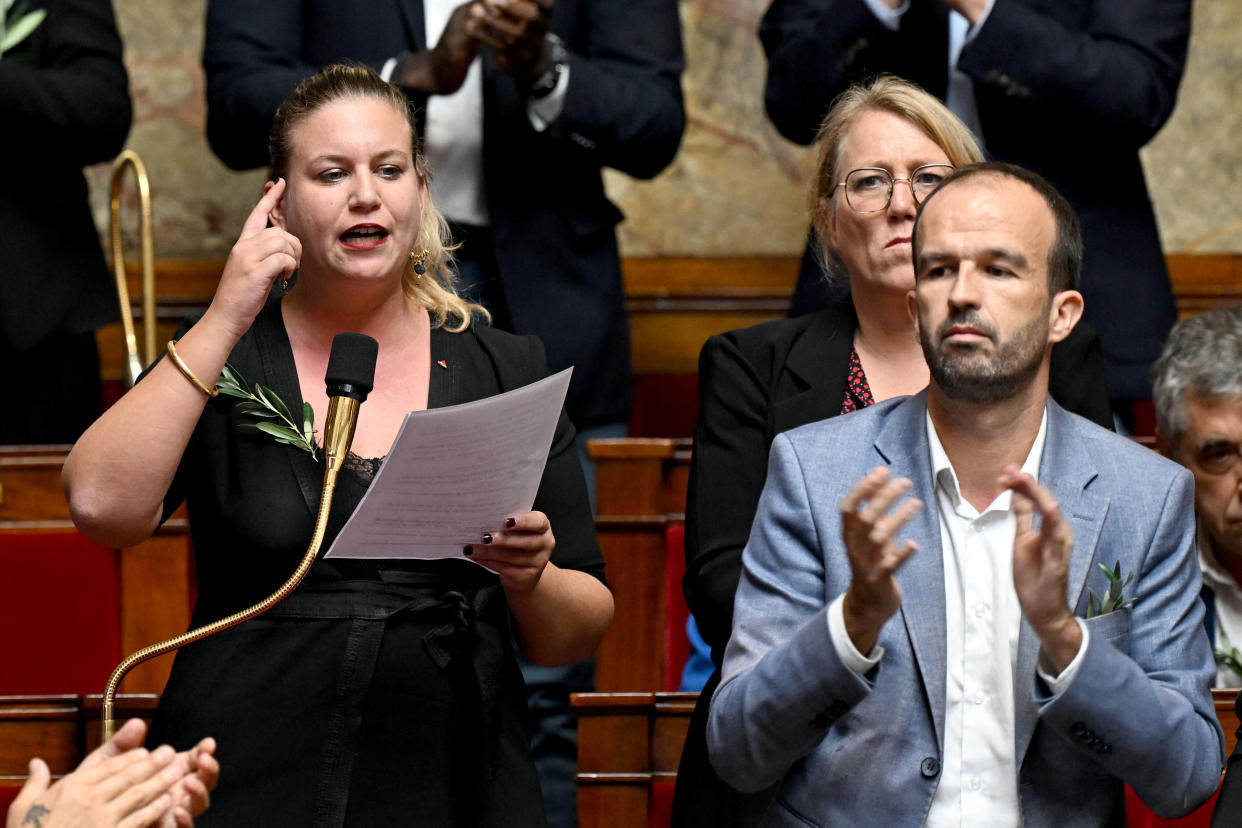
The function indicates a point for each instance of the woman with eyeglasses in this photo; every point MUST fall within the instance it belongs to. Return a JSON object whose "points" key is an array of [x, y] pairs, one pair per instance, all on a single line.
{"points": [[882, 149]]}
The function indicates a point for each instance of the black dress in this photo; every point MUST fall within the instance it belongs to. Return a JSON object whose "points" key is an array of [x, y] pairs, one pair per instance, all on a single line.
{"points": [[379, 693]]}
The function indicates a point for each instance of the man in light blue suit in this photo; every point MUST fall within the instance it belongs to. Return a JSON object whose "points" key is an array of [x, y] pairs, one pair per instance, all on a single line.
{"points": [[913, 647]]}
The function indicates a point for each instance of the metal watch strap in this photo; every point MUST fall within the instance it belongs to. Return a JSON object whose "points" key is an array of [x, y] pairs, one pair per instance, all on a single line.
{"points": [[558, 57]]}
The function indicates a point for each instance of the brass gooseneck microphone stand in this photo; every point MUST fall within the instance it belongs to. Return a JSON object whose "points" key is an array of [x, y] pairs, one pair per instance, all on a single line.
{"points": [[351, 373], [134, 361]]}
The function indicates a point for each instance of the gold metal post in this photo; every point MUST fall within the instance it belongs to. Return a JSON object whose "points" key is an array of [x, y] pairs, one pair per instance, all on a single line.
{"points": [[134, 362]]}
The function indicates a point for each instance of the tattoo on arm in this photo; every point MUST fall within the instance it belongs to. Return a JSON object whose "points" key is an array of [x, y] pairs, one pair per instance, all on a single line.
{"points": [[35, 815]]}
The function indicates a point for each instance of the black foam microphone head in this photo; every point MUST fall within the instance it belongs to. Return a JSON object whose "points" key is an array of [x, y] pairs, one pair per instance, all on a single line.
{"points": [[351, 366]]}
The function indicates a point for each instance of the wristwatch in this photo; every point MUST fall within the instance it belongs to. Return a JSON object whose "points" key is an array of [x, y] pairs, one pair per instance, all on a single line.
{"points": [[558, 60]]}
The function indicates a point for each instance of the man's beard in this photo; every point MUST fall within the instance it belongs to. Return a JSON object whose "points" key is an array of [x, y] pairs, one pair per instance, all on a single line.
{"points": [[962, 374]]}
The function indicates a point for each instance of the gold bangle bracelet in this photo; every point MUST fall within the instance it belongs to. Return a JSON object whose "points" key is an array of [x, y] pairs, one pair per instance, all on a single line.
{"points": [[186, 372]]}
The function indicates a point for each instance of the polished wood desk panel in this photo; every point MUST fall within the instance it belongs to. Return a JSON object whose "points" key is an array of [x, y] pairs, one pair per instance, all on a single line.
{"points": [[640, 492], [61, 730]]}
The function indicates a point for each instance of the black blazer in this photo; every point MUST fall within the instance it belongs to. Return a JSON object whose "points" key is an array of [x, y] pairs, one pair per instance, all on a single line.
{"points": [[552, 225], [64, 103], [1068, 88], [754, 384]]}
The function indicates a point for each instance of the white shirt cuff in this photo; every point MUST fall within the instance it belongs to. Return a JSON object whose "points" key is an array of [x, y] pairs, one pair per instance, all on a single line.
{"points": [[1058, 683], [846, 651], [887, 15], [547, 109], [390, 66]]}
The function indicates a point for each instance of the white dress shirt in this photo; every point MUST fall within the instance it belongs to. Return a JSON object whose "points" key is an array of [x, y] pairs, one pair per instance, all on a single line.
{"points": [[978, 777], [960, 95], [453, 138], [1227, 608]]}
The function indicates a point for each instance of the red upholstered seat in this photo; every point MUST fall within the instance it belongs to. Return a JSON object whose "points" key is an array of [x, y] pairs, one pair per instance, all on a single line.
{"points": [[1137, 815], [60, 613]]}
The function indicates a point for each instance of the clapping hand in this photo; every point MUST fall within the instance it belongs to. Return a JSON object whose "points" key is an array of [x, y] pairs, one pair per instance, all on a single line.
{"points": [[120, 784], [1041, 566], [515, 30], [443, 69], [871, 515]]}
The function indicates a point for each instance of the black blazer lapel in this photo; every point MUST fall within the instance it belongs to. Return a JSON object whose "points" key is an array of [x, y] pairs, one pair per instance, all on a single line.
{"points": [[812, 382], [280, 373]]}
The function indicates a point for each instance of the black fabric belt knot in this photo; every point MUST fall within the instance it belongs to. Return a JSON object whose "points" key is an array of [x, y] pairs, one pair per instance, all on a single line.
{"points": [[473, 656], [469, 646]]}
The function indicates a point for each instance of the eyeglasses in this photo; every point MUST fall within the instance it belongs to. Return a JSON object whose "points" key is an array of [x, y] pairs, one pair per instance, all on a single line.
{"points": [[870, 189]]}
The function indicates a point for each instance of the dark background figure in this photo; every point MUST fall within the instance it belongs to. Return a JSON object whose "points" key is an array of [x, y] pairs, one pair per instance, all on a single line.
{"points": [[520, 163], [64, 103], [1070, 90], [550, 236]]}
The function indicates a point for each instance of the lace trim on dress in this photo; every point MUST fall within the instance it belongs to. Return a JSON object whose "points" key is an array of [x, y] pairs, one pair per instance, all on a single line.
{"points": [[365, 467]]}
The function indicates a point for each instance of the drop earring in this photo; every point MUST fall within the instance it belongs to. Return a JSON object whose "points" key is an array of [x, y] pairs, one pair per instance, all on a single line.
{"points": [[420, 268]]}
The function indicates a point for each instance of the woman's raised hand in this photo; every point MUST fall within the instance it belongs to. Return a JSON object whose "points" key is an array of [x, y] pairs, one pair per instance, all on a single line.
{"points": [[519, 553], [261, 255]]}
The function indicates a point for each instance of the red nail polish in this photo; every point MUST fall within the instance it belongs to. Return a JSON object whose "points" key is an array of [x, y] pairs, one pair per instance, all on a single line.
{"points": [[510, 522], [467, 550], [487, 537]]}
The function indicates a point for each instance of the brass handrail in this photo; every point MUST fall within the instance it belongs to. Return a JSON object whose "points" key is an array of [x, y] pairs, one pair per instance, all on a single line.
{"points": [[134, 362]]}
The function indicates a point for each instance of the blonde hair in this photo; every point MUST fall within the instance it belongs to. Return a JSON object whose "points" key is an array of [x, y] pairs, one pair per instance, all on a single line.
{"points": [[437, 289], [886, 93]]}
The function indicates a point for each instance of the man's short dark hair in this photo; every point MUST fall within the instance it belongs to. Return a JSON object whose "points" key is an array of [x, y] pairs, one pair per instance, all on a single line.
{"points": [[1065, 255]]}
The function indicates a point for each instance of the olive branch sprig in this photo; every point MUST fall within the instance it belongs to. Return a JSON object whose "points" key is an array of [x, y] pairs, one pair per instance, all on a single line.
{"points": [[264, 405], [16, 24], [1114, 598], [1227, 655]]}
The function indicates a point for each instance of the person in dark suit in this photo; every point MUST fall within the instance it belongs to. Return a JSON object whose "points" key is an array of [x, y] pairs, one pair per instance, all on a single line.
{"points": [[64, 103], [758, 382], [543, 226], [1070, 90]]}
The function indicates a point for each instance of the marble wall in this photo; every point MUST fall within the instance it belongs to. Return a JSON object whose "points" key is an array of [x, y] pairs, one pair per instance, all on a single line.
{"points": [[735, 189]]}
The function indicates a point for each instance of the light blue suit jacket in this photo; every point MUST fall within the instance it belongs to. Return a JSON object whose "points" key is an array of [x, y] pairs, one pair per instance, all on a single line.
{"points": [[855, 750]]}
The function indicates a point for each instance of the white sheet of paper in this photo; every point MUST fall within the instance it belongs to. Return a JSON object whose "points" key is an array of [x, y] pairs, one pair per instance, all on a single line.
{"points": [[454, 473]]}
